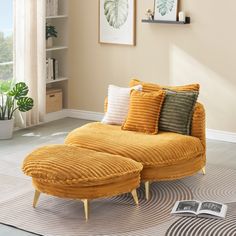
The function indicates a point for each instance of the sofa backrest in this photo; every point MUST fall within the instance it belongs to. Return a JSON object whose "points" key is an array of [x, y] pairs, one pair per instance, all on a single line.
{"points": [[198, 128]]}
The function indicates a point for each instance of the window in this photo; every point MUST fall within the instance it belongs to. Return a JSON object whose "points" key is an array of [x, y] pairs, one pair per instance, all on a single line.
{"points": [[6, 39]]}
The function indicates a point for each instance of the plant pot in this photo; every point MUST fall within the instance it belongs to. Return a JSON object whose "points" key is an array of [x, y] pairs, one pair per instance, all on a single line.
{"points": [[6, 129], [49, 42]]}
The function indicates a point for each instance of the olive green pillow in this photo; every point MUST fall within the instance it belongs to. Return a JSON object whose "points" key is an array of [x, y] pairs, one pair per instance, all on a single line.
{"points": [[177, 111]]}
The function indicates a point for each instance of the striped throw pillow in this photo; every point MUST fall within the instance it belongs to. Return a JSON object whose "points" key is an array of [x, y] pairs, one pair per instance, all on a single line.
{"points": [[118, 104], [177, 111], [150, 87], [144, 112]]}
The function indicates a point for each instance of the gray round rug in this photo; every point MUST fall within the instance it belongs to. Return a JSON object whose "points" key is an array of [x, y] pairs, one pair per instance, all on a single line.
{"points": [[120, 216]]}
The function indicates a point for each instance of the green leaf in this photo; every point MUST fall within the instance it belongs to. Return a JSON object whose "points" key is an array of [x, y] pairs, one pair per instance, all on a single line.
{"points": [[116, 12], [165, 6], [20, 90], [5, 86], [51, 31], [25, 104]]}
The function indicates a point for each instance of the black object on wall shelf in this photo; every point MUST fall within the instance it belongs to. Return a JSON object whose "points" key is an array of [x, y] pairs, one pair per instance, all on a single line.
{"points": [[187, 21]]}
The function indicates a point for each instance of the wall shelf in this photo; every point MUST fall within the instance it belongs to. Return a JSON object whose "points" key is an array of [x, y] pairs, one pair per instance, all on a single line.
{"points": [[187, 21]]}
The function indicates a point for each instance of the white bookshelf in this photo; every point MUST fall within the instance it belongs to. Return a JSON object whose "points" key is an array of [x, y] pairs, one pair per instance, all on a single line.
{"points": [[59, 50]]}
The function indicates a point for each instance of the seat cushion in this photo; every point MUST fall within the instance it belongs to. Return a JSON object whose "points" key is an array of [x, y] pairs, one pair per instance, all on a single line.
{"points": [[70, 165], [72, 172], [163, 149]]}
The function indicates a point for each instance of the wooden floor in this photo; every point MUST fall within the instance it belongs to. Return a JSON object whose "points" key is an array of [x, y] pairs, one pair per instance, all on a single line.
{"points": [[218, 153]]}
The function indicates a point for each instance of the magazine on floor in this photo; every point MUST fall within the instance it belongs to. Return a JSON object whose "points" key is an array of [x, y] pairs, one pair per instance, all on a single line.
{"points": [[200, 209]]}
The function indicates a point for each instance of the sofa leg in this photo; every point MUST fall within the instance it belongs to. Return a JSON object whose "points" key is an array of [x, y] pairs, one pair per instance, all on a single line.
{"points": [[147, 188], [36, 198], [204, 170], [135, 196], [86, 208]]}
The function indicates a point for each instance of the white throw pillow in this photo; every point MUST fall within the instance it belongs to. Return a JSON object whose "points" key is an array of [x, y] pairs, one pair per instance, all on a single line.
{"points": [[118, 104]]}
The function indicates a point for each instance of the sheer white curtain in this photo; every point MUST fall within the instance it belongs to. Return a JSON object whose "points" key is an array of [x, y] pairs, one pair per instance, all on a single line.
{"points": [[30, 55]]}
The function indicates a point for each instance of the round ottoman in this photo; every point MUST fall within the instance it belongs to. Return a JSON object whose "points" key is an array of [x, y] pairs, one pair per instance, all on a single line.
{"points": [[71, 172]]}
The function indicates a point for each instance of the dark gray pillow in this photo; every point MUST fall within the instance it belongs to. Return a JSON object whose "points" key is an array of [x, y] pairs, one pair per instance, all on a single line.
{"points": [[177, 111]]}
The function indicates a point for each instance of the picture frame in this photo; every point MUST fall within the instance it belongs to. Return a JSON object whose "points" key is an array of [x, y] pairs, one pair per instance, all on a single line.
{"points": [[166, 10], [119, 29]]}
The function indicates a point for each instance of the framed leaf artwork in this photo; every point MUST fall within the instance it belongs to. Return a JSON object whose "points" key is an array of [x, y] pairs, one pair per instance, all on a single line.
{"points": [[166, 10], [117, 21]]}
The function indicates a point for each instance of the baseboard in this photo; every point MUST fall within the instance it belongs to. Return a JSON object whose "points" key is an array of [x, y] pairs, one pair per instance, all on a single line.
{"points": [[221, 135], [72, 113], [55, 116], [85, 115], [97, 116]]}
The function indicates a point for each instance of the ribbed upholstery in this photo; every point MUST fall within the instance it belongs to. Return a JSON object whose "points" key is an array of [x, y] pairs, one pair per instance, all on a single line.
{"points": [[73, 172], [144, 112], [77, 191], [118, 105], [105, 104], [198, 128], [177, 111], [149, 87], [153, 151]]}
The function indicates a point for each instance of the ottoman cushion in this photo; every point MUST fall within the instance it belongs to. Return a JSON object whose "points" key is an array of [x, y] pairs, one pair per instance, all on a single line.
{"points": [[73, 172]]}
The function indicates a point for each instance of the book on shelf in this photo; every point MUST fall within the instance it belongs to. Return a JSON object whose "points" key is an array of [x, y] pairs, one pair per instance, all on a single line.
{"points": [[207, 209], [51, 7], [51, 69]]}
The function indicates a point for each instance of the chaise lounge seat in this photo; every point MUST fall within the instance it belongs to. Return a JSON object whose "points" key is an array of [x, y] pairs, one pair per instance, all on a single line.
{"points": [[165, 156]]}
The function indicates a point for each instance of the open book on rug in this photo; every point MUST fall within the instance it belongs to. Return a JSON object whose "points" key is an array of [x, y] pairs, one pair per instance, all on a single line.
{"points": [[200, 209]]}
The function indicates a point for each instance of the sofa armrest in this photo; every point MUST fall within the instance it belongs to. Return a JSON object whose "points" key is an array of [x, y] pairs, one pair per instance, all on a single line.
{"points": [[199, 123]]}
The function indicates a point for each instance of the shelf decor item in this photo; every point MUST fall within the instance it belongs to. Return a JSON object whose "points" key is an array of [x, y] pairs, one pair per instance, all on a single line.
{"points": [[166, 10], [117, 21], [54, 99], [50, 33], [182, 16], [149, 14], [51, 7], [13, 98]]}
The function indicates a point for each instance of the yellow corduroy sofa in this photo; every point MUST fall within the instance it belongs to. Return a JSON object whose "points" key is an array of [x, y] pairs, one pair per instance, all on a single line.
{"points": [[165, 156]]}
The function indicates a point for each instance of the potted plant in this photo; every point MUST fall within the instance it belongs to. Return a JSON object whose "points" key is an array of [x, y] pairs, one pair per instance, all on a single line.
{"points": [[12, 98], [50, 33]]}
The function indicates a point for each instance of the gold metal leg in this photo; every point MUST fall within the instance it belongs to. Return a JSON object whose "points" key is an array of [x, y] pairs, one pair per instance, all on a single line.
{"points": [[204, 170], [147, 187], [135, 196], [36, 198], [86, 208]]}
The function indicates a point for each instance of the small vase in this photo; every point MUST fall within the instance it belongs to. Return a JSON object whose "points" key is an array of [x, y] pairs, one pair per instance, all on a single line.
{"points": [[181, 16], [49, 42], [6, 129]]}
